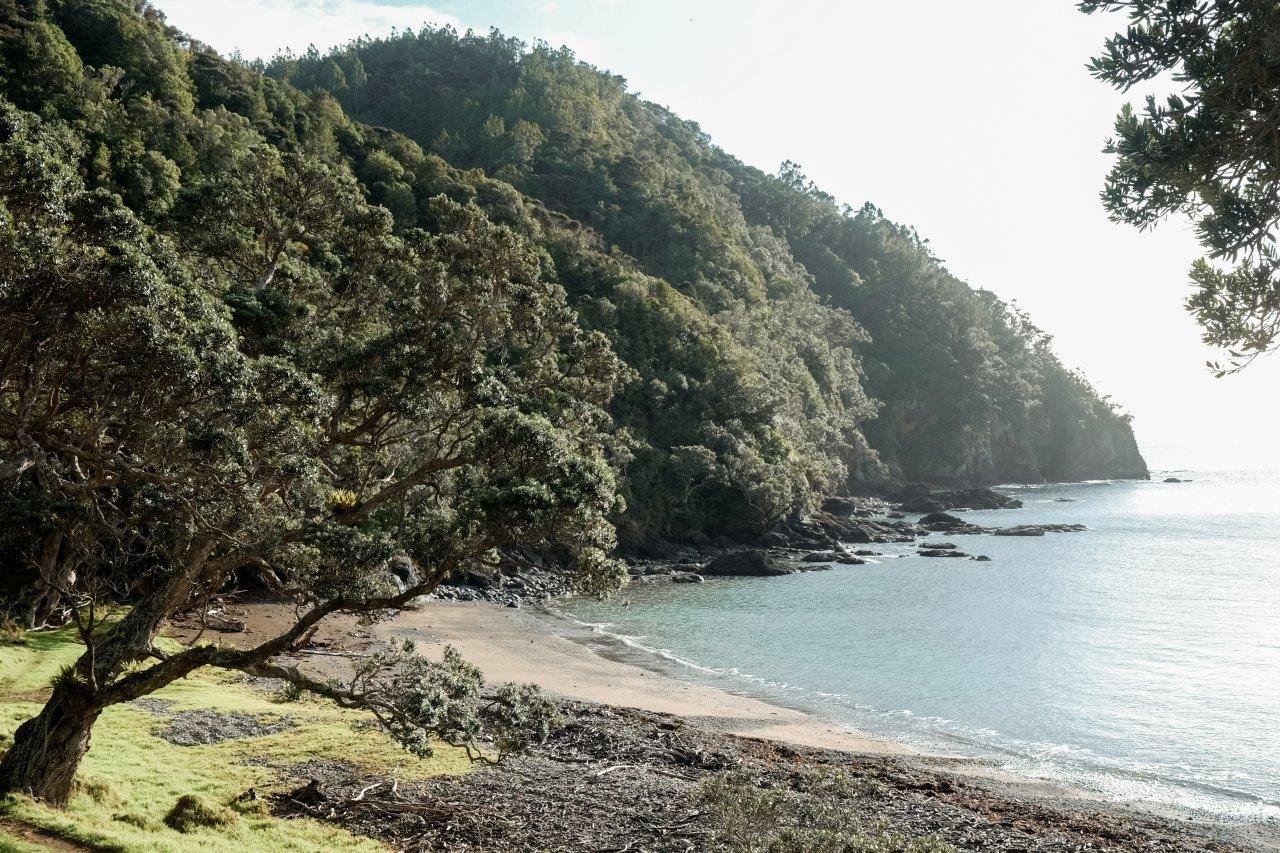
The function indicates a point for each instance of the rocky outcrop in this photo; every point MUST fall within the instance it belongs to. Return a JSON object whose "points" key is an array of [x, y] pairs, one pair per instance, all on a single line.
{"points": [[746, 563]]}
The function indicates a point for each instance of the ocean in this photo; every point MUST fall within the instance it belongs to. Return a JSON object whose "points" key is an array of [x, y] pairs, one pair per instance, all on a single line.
{"points": [[1139, 660]]}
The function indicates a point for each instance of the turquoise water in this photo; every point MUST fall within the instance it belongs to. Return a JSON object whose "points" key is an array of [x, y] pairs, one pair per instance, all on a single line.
{"points": [[1139, 660]]}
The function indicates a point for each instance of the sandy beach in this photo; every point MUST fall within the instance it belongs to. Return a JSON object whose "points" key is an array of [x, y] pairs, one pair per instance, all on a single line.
{"points": [[531, 646]]}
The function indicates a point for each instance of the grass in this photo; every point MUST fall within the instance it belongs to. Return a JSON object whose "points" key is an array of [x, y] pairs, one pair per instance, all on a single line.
{"points": [[13, 844], [131, 780]]}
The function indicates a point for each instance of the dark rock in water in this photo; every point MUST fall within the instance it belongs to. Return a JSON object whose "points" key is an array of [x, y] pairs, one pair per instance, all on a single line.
{"points": [[1064, 500], [941, 552], [982, 558], [686, 577], [942, 518], [1037, 529], [1175, 480], [959, 499], [937, 546], [1020, 530], [819, 557], [864, 552], [922, 505], [981, 499], [846, 560], [746, 564], [896, 514]]}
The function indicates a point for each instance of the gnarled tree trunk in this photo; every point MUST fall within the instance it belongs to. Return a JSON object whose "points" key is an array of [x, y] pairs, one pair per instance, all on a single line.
{"points": [[47, 749]]}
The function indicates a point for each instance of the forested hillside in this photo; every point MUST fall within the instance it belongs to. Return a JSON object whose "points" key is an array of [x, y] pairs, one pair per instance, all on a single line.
{"points": [[965, 387], [204, 260]]}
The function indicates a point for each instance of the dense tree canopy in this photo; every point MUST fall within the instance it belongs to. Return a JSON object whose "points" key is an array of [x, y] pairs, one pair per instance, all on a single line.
{"points": [[219, 356], [1211, 151], [949, 384]]}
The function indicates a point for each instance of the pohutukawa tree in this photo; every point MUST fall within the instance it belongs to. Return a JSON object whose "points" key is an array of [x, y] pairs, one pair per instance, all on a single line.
{"points": [[1211, 151], [300, 389]]}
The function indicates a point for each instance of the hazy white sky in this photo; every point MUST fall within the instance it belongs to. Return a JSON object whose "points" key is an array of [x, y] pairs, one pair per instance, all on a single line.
{"points": [[975, 122]]}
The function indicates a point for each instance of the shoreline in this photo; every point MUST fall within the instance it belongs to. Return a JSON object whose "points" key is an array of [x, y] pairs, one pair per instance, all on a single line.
{"points": [[571, 662], [622, 702]]}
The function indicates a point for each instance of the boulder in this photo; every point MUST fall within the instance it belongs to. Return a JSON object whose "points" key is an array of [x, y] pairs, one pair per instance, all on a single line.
{"points": [[774, 539], [1175, 480], [942, 518], [686, 577], [982, 558], [937, 546], [840, 505], [980, 499], [657, 548], [819, 557], [746, 564], [699, 540], [846, 560], [922, 505], [941, 552]]}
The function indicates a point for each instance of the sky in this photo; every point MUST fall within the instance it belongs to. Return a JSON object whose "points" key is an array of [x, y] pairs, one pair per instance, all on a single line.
{"points": [[976, 123]]}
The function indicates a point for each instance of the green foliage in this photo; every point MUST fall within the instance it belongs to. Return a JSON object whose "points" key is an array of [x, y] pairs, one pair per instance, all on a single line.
{"points": [[1208, 151], [221, 352], [423, 703], [813, 815]]}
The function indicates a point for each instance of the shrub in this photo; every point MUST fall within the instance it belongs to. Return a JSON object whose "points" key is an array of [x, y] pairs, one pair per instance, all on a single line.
{"points": [[190, 813], [288, 692]]}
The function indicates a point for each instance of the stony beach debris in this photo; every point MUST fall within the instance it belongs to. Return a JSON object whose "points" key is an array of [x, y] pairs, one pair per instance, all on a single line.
{"points": [[617, 779], [203, 727]]}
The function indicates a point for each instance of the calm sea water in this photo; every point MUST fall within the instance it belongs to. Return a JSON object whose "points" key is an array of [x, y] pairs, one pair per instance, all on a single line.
{"points": [[1139, 660]]}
